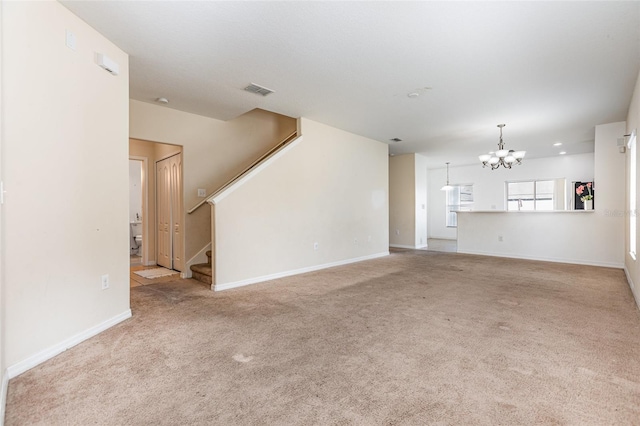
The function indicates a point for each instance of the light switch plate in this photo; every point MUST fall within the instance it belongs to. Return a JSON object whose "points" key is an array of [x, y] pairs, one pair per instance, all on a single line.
{"points": [[202, 192], [70, 40]]}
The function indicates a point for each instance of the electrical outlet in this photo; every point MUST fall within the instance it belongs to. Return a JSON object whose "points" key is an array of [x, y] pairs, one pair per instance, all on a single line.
{"points": [[202, 192], [397, 232], [315, 246], [105, 281]]}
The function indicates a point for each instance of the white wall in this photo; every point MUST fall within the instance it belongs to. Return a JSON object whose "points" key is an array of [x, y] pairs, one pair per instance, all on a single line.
{"points": [[402, 201], [595, 238], [609, 181], [135, 190], [421, 201], [214, 151], [489, 185], [408, 201], [330, 188], [65, 169], [4, 379], [632, 266]]}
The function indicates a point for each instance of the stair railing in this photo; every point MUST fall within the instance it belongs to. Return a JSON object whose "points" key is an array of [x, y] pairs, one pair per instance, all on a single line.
{"points": [[253, 165]]}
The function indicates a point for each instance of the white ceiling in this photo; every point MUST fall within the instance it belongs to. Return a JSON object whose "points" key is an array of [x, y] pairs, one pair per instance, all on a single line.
{"points": [[550, 70]]}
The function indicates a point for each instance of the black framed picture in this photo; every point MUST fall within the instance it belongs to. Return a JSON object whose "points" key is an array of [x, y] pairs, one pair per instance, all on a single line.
{"points": [[583, 196]]}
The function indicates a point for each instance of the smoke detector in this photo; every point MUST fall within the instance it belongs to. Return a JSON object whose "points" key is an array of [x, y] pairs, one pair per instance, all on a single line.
{"points": [[162, 100], [258, 90]]}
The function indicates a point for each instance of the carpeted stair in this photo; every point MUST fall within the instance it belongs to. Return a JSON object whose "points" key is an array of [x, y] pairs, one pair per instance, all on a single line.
{"points": [[202, 271]]}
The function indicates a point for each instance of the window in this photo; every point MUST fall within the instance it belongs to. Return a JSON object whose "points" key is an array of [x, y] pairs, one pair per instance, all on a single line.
{"points": [[536, 195], [632, 196], [460, 197]]}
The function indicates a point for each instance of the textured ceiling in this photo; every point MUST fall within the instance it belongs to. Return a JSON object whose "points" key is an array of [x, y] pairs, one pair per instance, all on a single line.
{"points": [[550, 70]]}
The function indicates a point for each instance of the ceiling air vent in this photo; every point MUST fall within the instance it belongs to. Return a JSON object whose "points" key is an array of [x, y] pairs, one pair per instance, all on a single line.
{"points": [[396, 140], [258, 90]]}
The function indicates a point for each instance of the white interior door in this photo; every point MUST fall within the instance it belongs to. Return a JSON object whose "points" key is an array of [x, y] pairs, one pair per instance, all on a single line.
{"points": [[176, 213], [169, 212], [163, 213]]}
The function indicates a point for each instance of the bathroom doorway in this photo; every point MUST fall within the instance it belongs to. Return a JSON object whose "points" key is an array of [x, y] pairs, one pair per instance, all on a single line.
{"points": [[137, 174]]}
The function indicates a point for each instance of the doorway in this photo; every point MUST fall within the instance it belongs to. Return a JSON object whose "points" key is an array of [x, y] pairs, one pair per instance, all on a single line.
{"points": [[169, 213], [150, 154], [137, 171]]}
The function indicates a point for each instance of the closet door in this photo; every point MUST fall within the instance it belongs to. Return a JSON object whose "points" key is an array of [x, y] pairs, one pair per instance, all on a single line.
{"points": [[169, 211], [177, 237], [163, 212]]}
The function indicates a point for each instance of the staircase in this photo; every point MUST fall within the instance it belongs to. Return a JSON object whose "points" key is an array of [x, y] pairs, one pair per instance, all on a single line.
{"points": [[202, 271]]}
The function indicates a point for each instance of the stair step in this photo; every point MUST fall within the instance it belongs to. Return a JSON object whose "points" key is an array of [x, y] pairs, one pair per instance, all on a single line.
{"points": [[202, 272]]}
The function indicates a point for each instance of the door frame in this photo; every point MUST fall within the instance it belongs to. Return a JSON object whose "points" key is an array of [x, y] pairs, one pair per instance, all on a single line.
{"points": [[145, 208]]}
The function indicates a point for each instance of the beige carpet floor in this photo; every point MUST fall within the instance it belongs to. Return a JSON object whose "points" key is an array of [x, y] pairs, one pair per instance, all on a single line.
{"points": [[414, 338]]}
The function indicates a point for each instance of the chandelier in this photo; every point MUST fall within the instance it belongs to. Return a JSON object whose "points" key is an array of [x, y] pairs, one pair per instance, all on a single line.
{"points": [[502, 157]]}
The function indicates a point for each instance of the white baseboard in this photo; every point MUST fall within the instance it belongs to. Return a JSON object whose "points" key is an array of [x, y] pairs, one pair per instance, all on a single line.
{"points": [[546, 259], [228, 286], [42, 356], [200, 257], [408, 247], [634, 290], [3, 395]]}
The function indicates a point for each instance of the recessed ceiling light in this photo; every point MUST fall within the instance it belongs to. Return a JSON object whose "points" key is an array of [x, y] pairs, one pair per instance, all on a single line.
{"points": [[562, 152], [395, 140], [557, 144], [162, 100]]}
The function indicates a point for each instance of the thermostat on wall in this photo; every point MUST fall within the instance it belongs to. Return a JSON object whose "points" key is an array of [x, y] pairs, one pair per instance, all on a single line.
{"points": [[107, 63]]}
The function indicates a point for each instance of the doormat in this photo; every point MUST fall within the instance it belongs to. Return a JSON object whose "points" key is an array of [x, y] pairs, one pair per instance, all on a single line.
{"points": [[155, 273]]}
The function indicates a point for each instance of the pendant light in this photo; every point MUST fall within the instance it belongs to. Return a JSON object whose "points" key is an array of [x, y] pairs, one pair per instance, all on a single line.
{"points": [[447, 186]]}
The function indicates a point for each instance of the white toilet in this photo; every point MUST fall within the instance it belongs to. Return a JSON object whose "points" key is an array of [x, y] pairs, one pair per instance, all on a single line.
{"points": [[136, 238]]}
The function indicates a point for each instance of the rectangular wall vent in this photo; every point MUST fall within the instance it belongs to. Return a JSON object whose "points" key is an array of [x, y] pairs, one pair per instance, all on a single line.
{"points": [[258, 90]]}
